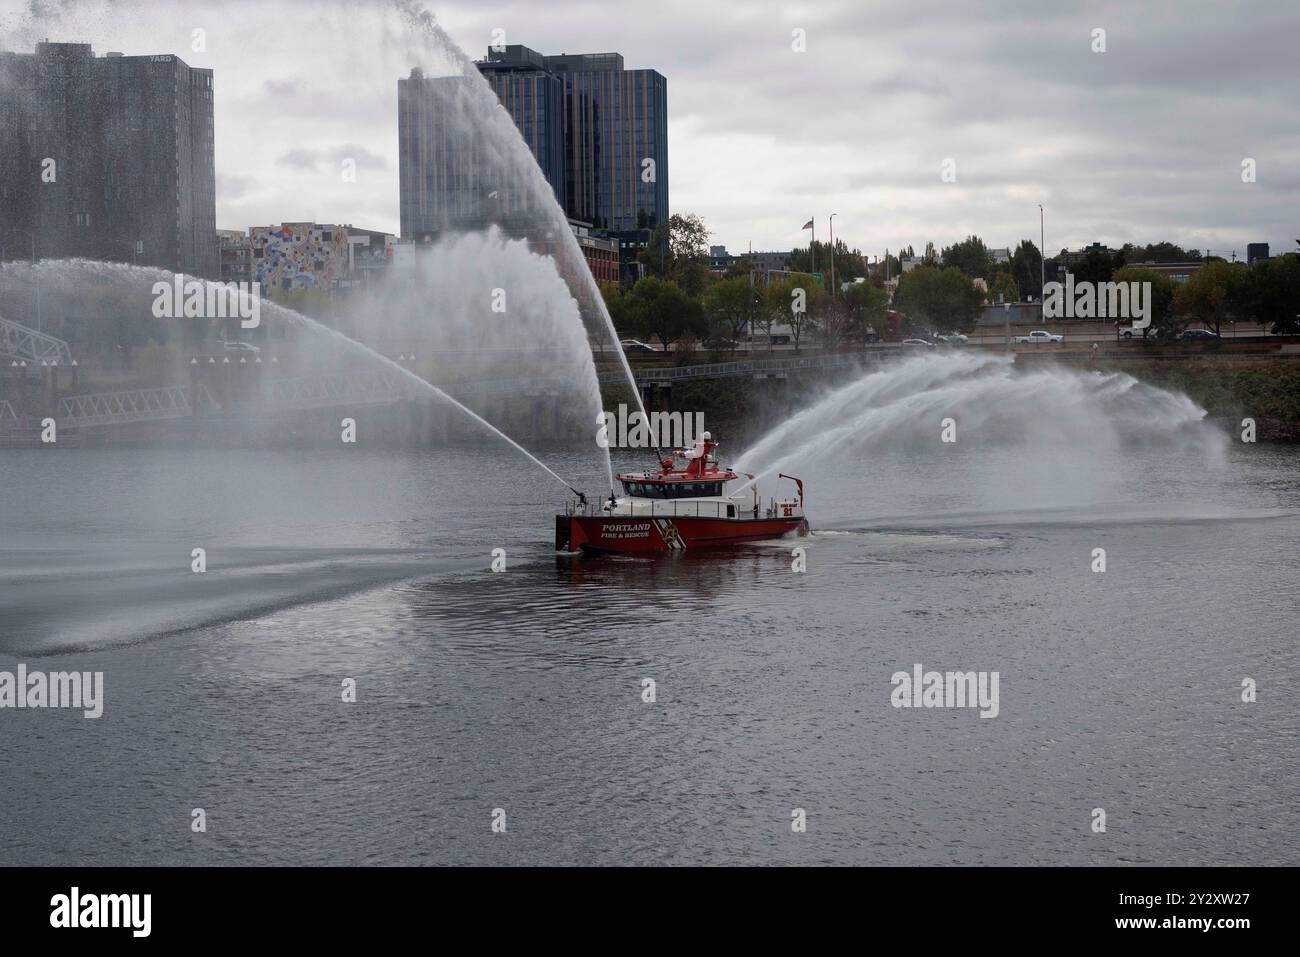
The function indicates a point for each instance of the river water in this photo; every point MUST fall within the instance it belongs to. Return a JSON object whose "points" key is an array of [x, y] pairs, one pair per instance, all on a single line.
{"points": [[523, 690]]}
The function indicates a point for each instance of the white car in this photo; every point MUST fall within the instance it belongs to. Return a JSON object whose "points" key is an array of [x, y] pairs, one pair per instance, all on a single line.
{"points": [[917, 342], [635, 345], [1039, 336]]}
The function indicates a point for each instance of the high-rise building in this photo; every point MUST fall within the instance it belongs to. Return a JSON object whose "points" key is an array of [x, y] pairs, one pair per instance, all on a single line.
{"points": [[616, 141], [598, 132], [108, 158], [455, 171], [534, 97], [615, 129]]}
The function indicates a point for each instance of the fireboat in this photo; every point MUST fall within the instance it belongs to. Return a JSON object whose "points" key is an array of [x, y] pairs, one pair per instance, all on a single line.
{"points": [[671, 509]]}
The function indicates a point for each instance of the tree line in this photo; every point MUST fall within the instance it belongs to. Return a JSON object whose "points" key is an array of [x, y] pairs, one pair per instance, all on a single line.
{"points": [[679, 299]]}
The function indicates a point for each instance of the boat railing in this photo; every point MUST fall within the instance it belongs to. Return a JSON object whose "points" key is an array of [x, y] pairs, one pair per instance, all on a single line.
{"points": [[682, 508]]}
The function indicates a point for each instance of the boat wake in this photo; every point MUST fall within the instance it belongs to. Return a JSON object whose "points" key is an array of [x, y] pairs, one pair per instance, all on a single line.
{"points": [[134, 596]]}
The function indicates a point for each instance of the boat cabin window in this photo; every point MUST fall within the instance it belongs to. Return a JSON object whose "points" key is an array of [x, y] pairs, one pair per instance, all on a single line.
{"points": [[672, 489]]}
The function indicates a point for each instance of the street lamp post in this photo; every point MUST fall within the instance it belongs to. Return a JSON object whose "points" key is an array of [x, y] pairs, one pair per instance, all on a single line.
{"points": [[1042, 265], [833, 255]]}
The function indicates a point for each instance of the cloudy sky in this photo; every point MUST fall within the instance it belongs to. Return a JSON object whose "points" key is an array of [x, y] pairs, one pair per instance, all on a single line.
{"points": [[1143, 142]]}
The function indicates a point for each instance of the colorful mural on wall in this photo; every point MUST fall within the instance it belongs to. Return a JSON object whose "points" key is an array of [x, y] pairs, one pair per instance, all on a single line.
{"points": [[298, 255]]}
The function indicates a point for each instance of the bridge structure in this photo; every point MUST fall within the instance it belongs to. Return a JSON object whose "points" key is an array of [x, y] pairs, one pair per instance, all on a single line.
{"points": [[134, 405], [22, 343], [190, 401]]}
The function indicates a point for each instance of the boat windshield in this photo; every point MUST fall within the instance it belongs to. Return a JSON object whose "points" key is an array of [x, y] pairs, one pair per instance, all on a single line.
{"points": [[672, 489]]}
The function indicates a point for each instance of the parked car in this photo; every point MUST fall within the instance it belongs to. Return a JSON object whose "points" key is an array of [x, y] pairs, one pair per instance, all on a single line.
{"points": [[241, 347], [1193, 334], [952, 338], [722, 342], [918, 342], [636, 346], [1040, 337]]}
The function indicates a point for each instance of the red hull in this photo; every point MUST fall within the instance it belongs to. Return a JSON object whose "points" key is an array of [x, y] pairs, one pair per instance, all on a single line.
{"points": [[644, 534]]}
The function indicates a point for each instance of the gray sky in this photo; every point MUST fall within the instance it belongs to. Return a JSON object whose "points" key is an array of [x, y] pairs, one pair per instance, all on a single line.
{"points": [[1143, 142]]}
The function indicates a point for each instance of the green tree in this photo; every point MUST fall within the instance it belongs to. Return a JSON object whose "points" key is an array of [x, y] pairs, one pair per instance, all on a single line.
{"points": [[1210, 293], [740, 267], [944, 299], [1026, 266], [834, 322], [1270, 293], [616, 303], [868, 305], [1004, 288], [730, 306], [849, 263], [694, 278], [890, 267], [971, 256], [1159, 253], [1097, 267], [660, 309], [790, 301], [1164, 324], [679, 251]]}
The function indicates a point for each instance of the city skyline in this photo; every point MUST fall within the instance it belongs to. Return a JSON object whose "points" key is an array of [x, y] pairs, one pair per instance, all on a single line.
{"points": [[1144, 142]]}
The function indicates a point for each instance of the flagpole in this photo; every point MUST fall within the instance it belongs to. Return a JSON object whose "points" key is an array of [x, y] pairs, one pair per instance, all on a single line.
{"points": [[812, 246]]}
